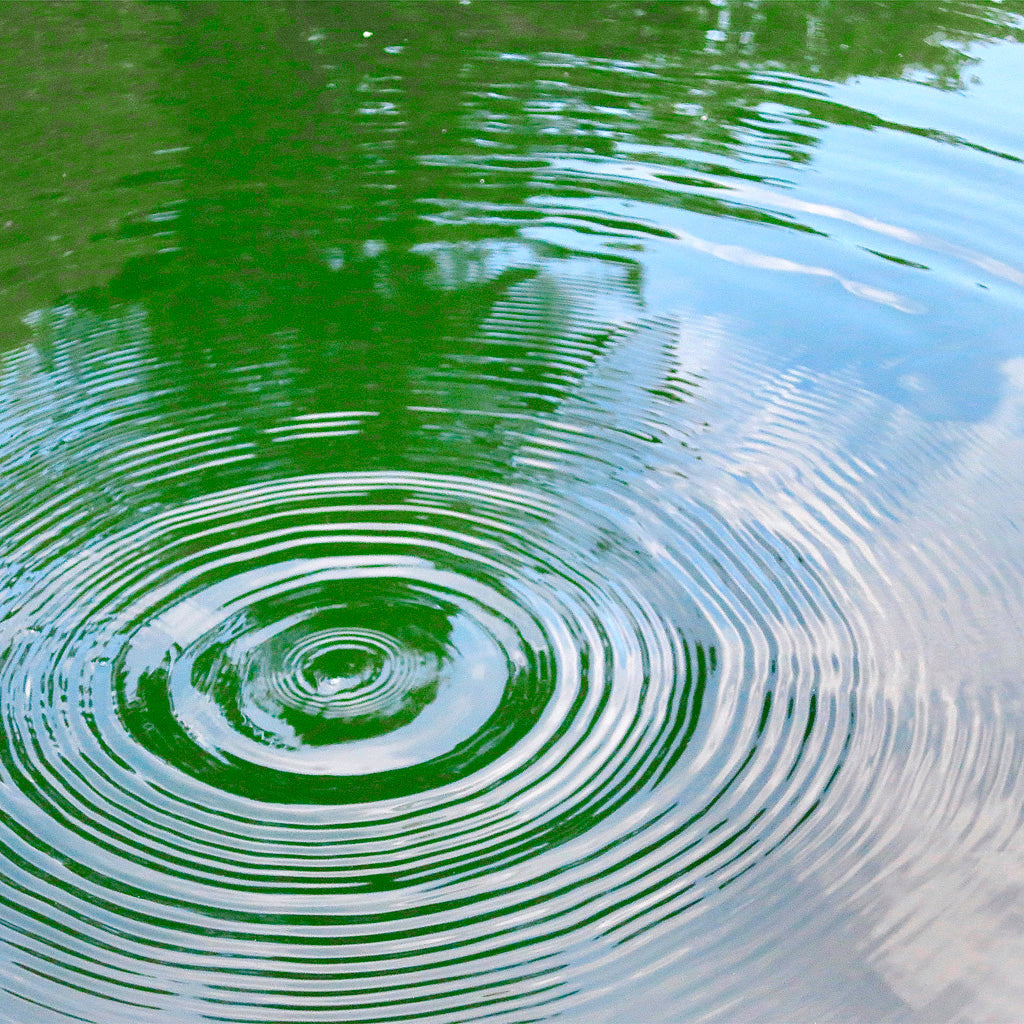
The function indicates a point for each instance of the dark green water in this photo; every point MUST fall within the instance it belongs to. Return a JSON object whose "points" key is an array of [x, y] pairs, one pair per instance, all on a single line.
{"points": [[512, 512]]}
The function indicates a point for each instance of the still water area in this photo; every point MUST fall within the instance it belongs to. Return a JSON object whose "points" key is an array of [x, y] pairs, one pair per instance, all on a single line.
{"points": [[512, 512]]}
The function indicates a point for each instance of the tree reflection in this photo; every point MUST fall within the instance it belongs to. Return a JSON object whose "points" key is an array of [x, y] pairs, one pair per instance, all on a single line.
{"points": [[359, 181]]}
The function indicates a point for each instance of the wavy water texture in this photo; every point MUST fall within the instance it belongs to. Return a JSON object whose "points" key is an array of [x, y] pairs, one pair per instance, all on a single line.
{"points": [[470, 740], [586, 598]]}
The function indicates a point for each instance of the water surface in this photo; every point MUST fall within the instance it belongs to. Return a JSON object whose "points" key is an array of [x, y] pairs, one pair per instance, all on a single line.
{"points": [[511, 512]]}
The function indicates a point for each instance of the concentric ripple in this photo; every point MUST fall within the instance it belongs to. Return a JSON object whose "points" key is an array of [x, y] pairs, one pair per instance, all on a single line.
{"points": [[437, 664], [391, 744], [520, 557]]}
